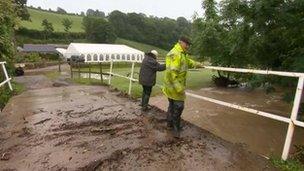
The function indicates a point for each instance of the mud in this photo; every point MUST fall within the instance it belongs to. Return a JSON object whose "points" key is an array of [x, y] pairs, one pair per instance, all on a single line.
{"points": [[94, 128], [36, 79], [34, 82], [258, 134], [64, 67]]}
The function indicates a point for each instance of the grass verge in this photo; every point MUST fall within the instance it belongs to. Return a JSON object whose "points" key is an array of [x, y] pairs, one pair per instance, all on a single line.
{"points": [[6, 93], [288, 165]]}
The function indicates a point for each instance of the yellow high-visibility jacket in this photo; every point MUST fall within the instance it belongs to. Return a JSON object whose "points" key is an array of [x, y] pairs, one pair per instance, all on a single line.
{"points": [[177, 65]]}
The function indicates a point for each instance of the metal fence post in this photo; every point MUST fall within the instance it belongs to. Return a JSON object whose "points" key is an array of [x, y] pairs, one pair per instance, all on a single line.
{"points": [[293, 117], [6, 77], [131, 79], [111, 68]]}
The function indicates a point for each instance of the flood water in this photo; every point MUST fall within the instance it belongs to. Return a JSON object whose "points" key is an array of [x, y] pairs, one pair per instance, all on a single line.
{"points": [[94, 76], [261, 135]]}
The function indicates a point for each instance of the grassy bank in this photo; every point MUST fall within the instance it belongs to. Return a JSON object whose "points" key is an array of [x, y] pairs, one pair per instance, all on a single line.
{"points": [[288, 165], [141, 46], [37, 16], [6, 93]]}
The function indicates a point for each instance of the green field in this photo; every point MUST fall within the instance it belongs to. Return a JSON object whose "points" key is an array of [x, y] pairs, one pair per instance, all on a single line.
{"points": [[141, 46], [37, 16], [196, 79]]}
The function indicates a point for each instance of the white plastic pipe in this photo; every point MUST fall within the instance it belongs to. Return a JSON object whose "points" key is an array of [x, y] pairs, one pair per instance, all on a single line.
{"points": [[111, 69], [257, 112], [131, 77], [4, 82], [293, 117], [265, 72], [7, 79], [117, 75]]}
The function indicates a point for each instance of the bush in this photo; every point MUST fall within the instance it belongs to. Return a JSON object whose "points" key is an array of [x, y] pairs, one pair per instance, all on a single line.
{"points": [[288, 165], [36, 34], [35, 57], [6, 93]]}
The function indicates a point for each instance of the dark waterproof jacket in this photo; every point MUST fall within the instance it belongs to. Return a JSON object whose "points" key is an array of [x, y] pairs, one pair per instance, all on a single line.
{"points": [[149, 67]]}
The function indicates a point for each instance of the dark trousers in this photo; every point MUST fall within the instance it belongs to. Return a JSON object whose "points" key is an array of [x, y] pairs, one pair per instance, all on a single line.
{"points": [[146, 96], [175, 111]]}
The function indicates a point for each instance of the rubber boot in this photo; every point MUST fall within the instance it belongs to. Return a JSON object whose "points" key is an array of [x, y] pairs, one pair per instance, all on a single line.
{"points": [[145, 101], [176, 128], [169, 120]]}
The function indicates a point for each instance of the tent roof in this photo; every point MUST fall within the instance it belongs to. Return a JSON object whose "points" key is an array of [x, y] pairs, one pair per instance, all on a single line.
{"points": [[61, 50], [83, 48]]}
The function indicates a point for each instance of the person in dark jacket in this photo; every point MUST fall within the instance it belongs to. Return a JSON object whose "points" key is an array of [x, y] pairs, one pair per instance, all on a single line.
{"points": [[147, 76]]}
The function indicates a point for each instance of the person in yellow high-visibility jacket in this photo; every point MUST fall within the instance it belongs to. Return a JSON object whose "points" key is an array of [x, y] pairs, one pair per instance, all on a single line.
{"points": [[177, 65]]}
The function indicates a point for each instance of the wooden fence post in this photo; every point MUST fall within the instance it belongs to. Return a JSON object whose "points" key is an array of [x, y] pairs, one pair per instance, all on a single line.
{"points": [[79, 75], [100, 69], [71, 67], [90, 72], [59, 64]]}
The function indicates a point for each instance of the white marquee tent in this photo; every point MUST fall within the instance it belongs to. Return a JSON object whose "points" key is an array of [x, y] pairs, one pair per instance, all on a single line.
{"points": [[102, 52]]}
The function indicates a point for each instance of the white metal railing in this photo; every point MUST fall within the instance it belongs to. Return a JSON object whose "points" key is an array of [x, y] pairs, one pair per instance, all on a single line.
{"points": [[121, 76], [292, 120], [7, 78]]}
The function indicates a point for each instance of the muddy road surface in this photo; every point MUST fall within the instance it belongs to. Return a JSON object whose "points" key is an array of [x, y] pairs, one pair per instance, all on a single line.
{"points": [[94, 128]]}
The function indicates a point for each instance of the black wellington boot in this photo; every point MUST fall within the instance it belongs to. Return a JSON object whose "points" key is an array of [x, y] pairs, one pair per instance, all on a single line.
{"points": [[176, 128], [169, 120]]}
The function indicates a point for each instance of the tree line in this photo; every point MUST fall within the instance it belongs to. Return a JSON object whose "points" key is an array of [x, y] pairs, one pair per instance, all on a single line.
{"points": [[160, 32]]}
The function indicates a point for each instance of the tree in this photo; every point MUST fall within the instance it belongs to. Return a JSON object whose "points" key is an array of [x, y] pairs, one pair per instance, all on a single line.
{"points": [[21, 9], [96, 13], [67, 23], [257, 33], [90, 12], [47, 28], [119, 22], [61, 10], [8, 19], [161, 32], [98, 30]]}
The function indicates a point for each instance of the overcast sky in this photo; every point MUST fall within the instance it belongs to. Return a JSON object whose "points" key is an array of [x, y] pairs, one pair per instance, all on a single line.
{"points": [[159, 8]]}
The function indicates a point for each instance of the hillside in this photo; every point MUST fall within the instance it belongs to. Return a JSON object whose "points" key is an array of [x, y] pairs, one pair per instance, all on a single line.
{"points": [[37, 16], [141, 46]]}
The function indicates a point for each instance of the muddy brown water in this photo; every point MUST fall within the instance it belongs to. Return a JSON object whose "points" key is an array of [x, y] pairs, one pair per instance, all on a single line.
{"points": [[261, 135], [95, 128]]}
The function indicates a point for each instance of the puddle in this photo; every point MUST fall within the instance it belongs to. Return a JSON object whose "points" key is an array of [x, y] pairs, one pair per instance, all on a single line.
{"points": [[94, 76]]}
